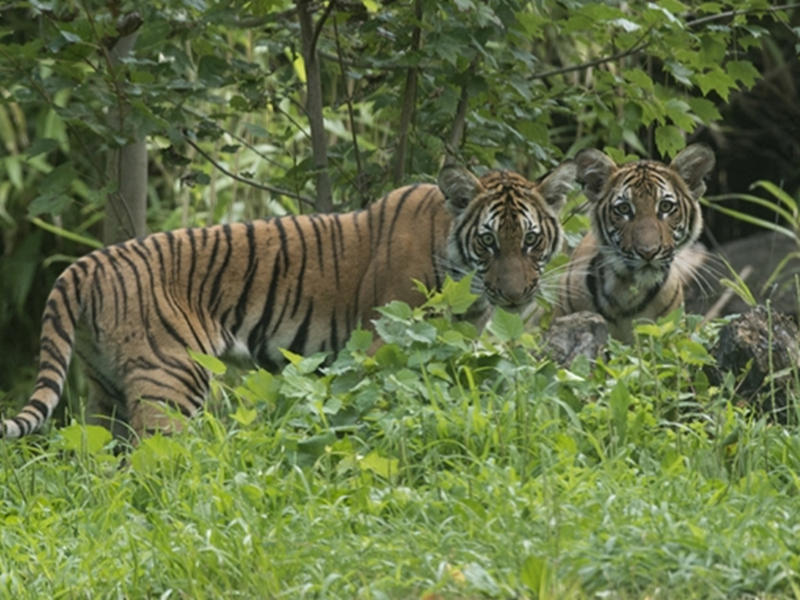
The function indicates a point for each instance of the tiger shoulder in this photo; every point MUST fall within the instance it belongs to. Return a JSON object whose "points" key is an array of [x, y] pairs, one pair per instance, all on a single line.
{"points": [[301, 283]]}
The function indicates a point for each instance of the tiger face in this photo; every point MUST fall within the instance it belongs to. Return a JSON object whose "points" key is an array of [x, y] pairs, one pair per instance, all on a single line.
{"points": [[644, 215], [506, 229]]}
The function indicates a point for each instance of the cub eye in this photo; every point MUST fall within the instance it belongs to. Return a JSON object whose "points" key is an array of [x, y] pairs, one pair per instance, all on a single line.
{"points": [[487, 239], [531, 238], [624, 209], [666, 206]]}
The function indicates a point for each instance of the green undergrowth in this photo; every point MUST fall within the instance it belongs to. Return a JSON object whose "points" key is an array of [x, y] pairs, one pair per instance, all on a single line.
{"points": [[446, 466]]}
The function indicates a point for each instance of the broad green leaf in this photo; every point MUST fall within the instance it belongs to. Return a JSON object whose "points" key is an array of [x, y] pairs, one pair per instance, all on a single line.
{"points": [[669, 140], [705, 109], [360, 340], [744, 71], [396, 310], [457, 294], [41, 146], [506, 326], [53, 204], [678, 112], [385, 467], [639, 78], [715, 80], [245, 416], [89, 438], [212, 363], [58, 180]]}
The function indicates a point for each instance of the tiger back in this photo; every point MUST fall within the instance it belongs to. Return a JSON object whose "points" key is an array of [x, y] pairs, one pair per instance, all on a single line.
{"points": [[645, 217], [302, 283]]}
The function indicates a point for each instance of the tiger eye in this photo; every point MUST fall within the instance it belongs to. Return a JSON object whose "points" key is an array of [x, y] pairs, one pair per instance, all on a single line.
{"points": [[531, 238], [487, 239], [666, 206], [624, 209]]}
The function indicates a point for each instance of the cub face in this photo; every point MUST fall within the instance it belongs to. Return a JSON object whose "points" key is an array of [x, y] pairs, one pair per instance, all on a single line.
{"points": [[644, 213]]}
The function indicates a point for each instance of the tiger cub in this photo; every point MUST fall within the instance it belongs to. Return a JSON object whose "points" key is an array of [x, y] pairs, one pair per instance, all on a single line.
{"points": [[644, 215], [303, 283]]}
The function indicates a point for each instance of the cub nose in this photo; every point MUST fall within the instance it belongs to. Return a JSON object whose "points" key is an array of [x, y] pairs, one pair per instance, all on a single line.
{"points": [[648, 253]]}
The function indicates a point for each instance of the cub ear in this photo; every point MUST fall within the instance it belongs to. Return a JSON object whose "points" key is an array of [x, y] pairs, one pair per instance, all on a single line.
{"points": [[693, 163], [594, 169], [555, 187], [459, 187]]}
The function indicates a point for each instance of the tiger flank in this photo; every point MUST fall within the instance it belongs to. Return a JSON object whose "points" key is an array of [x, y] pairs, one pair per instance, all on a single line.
{"points": [[303, 283], [645, 216]]}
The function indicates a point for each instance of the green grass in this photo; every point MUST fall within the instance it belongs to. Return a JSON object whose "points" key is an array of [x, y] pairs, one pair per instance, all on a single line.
{"points": [[444, 467]]}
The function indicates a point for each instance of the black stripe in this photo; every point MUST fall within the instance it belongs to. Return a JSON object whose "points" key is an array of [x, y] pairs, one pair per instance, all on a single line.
{"points": [[24, 426], [192, 265], [256, 341], [298, 294], [284, 244], [336, 231], [208, 267], [40, 407], [318, 238], [49, 383], [52, 317], [216, 297], [300, 340], [249, 277], [592, 285], [334, 334], [397, 210]]}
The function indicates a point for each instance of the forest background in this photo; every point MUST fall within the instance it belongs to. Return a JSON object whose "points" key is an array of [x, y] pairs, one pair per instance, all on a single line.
{"points": [[201, 112], [445, 466]]}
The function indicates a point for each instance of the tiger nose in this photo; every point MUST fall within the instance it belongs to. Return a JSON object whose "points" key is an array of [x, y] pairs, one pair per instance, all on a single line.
{"points": [[648, 253]]}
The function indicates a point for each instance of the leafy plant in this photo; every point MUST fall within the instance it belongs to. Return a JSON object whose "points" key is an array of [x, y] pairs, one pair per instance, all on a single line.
{"points": [[786, 220]]}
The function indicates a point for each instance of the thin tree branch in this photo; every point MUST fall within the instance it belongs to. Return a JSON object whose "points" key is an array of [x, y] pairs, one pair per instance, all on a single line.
{"points": [[255, 184], [639, 46], [733, 13], [320, 23]]}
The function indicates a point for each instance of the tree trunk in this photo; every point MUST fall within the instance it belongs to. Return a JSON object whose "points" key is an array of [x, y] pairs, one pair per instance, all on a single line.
{"points": [[309, 35], [459, 124], [126, 209], [409, 100]]}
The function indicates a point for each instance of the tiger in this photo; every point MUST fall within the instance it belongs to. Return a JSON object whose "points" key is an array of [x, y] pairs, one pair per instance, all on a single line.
{"points": [[298, 282], [645, 218]]}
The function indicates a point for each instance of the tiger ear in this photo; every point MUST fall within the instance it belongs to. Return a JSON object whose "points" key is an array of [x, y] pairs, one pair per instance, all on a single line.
{"points": [[459, 187], [693, 163], [594, 169], [555, 187]]}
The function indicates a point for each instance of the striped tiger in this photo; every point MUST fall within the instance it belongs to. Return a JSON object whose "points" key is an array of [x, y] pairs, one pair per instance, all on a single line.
{"points": [[302, 283], [645, 217]]}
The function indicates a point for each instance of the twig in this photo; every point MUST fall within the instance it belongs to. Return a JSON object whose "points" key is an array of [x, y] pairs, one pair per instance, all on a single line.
{"points": [[725, 297], [733, 13], [250, 182]]}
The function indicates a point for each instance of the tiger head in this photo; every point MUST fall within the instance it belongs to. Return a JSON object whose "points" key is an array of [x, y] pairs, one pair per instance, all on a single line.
{"points": [[645, 212], [505, 229]]}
